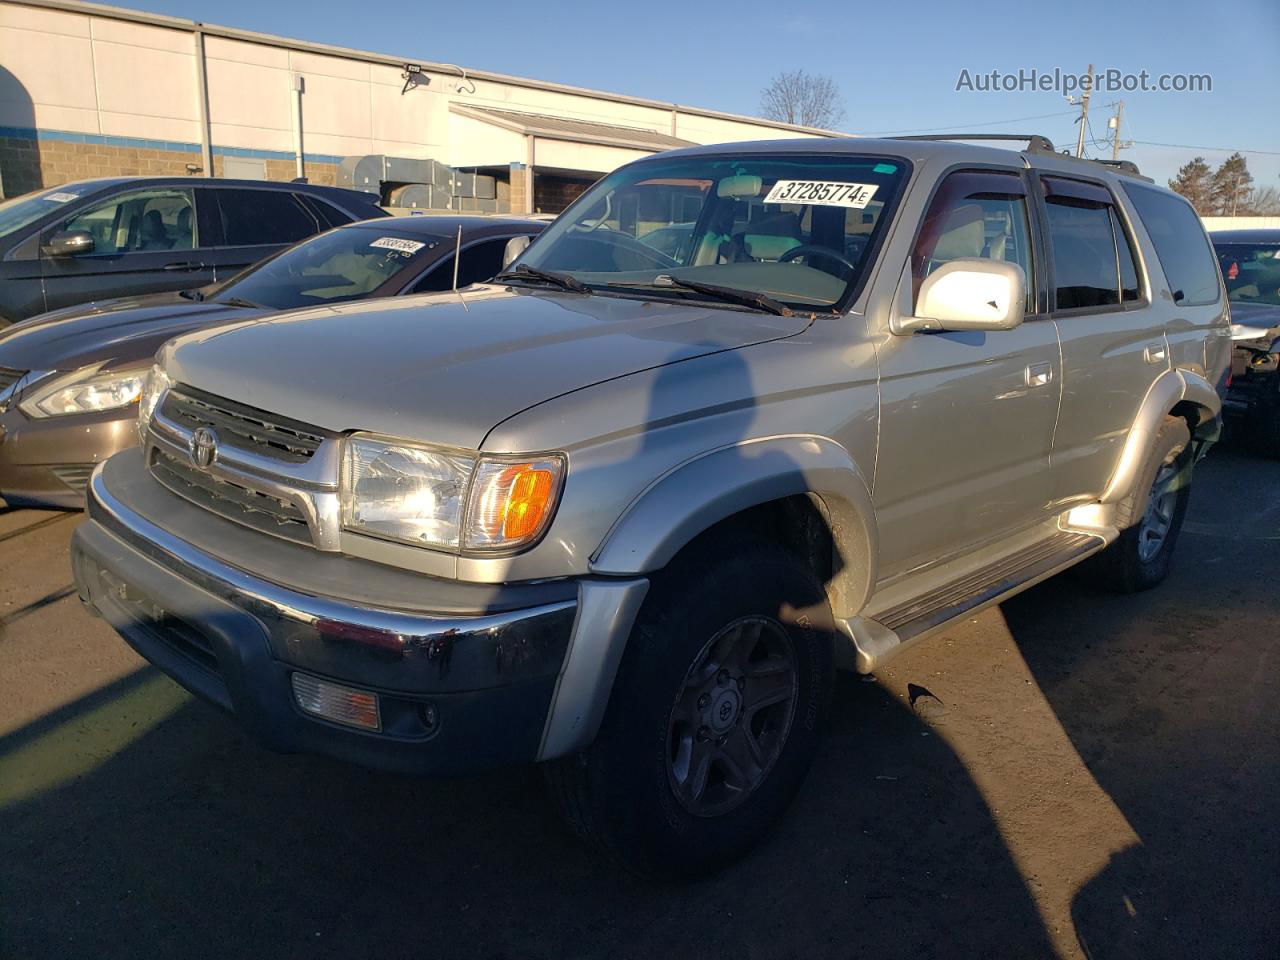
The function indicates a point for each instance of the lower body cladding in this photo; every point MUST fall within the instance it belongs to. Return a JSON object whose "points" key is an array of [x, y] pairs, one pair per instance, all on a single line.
{"points": [[47, 463], [411, 691]]}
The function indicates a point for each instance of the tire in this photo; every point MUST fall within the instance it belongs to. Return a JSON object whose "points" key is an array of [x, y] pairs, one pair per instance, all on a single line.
{"points": [[634, 793], [1150, 518], [1263, 427]]}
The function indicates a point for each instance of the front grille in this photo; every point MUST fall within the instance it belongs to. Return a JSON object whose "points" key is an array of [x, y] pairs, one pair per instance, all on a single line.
{"points": [[8, 377], [243, 505], [245, 427], [74, 475]]}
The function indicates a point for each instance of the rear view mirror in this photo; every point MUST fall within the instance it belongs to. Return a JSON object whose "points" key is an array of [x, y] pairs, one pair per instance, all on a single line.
{"points": [[69, 243], [970, 293], [515, 246]]}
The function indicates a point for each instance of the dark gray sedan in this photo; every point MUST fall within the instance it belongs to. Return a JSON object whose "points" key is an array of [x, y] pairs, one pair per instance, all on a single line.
{"points": [[70, 380]]}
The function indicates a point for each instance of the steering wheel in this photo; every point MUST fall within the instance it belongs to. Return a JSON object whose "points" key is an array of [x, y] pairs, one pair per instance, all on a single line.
{"points": [[813, 250]]}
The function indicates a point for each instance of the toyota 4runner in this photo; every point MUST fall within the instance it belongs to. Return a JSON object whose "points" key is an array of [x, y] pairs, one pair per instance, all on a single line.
{"points": [[626, 509]]}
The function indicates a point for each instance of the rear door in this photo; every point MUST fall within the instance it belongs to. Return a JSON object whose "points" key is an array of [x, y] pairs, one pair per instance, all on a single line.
{"points": [[145, 241], [1112, 335], [256, 222]]}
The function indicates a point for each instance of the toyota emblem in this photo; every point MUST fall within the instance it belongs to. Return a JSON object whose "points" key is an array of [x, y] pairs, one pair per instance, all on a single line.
{"points": [[203, 447]]}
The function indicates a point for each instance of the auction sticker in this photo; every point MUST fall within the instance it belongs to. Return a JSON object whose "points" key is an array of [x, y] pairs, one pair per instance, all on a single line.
{"points": [[822, 193], [398, 243], [62, 197]]}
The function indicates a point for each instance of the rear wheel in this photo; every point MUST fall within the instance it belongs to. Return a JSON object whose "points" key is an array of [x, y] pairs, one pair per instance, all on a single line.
{"points": [[714, 716], [1140, 557]]}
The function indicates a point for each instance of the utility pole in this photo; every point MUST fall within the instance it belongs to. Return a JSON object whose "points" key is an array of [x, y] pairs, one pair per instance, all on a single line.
{"points": [[1115, 130], [1084, 113]]}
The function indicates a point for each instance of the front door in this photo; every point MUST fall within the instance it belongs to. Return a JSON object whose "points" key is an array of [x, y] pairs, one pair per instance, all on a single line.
{"points": [[144, 241], [966, 419]]}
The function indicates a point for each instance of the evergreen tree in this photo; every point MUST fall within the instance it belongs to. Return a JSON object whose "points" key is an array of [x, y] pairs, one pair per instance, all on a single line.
{"points": [[1231, 186], [1195, 182]]}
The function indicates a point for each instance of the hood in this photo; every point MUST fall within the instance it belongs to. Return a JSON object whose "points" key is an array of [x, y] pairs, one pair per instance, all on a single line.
{"points": [[1255, 314], [122, 331], [433, 369]]}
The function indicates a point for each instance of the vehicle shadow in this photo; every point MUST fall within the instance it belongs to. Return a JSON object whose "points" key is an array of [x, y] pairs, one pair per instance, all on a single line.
{"points": [[1168, 697], [190, 840]]}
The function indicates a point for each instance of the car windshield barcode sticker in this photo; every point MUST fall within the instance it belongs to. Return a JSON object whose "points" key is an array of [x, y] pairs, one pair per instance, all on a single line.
{"points": [[398, 244], [822, 193], [62, 197]]}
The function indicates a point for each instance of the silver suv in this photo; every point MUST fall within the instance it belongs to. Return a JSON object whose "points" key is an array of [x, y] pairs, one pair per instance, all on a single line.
{"points": [[742, 416]]}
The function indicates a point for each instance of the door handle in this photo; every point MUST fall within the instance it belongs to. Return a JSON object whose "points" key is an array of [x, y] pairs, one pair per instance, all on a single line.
{"points": [[1155, 353], [185, 265], [1039, 374]]}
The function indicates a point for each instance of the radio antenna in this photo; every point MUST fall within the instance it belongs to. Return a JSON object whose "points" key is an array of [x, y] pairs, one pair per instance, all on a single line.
{"points": [[457, 258]]}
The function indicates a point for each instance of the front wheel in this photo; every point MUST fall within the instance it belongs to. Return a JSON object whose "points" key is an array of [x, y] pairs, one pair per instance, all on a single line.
{"points": [[714, 717]]}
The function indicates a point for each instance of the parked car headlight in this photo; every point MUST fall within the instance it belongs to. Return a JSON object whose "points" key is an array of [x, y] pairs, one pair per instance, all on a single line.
{"points": [[85, 391], [444, 498], [153, 389]]}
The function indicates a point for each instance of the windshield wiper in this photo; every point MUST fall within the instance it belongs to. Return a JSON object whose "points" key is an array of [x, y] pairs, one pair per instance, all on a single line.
{"points": [[746, 298], [240, 302], [195, 295], [561, 280]]}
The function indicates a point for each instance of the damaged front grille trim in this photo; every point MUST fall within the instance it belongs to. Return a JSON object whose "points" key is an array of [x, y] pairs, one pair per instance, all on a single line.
{"points": [[311, 486]]}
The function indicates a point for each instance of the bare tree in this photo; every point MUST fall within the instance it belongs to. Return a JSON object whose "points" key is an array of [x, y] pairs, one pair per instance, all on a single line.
{"points": [[796, 96], [1263, 202]]}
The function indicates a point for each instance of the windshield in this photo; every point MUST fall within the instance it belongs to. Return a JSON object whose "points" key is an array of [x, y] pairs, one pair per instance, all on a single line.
{"points": [[1251, 270], [27, 209], [342, 264], [797, 229]]}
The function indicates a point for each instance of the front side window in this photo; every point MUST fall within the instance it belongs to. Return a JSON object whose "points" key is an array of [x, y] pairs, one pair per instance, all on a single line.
{"points": [[800, 230], [976, 213], [140, 221], [343, 264], [253, 217], [480, 262], [1093, 262], [1181, 245], [1251, 271]]}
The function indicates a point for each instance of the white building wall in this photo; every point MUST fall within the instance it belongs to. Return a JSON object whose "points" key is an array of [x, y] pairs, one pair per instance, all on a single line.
{"points": [[77, 69]]}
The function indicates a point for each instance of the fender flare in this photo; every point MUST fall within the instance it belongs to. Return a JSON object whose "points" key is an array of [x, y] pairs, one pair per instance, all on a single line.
{"points": [[1169, 389], [696, 494]]}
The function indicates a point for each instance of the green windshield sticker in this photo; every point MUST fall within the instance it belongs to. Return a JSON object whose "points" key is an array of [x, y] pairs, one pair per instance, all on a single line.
{"points": [[884, 168]]}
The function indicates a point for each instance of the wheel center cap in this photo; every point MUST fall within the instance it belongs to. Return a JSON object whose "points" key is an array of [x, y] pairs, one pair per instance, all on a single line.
{"points": [[723, 710]]}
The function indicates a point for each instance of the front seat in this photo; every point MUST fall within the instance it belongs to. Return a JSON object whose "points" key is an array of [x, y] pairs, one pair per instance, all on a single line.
{"points": [[153, 236]]}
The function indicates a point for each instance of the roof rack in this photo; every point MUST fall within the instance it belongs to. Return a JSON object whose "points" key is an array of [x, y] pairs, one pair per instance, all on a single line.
{"points": [[1036, 143]]}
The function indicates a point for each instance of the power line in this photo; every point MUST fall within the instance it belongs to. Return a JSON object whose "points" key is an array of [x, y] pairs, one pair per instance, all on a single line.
{"points": [[1192, 146], [969, 126]]}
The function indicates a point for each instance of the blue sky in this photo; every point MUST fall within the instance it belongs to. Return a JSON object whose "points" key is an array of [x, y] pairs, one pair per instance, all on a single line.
{"points": [[896, 64]]}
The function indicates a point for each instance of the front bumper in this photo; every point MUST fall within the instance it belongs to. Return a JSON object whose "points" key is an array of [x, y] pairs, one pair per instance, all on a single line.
{"points": [[47, 463], [459, 692]]}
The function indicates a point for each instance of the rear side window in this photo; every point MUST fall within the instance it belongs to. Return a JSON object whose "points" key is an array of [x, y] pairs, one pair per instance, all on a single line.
{"points": [[1180, 243], [252, 217], [976, 213], [328, 214], [1093, 262]]}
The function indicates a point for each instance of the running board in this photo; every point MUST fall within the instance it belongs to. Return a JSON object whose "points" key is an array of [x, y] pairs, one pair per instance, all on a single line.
{"points": [[889, 631]]}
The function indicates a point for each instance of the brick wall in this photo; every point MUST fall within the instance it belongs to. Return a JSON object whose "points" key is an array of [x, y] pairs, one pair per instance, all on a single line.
{"points": [[28, 164], [551, 194]]}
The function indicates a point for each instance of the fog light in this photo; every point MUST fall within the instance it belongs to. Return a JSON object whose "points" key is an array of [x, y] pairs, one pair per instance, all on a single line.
{"points": [[332, 701]]}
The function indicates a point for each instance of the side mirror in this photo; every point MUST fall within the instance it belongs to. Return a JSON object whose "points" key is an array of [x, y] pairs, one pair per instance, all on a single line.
{"points": [[515, 246], [69, 243], [969, 294]]}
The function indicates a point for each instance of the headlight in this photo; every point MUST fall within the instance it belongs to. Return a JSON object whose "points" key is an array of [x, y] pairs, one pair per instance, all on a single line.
{"points": [[445, 498], [153, 390], [85, 391]]}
